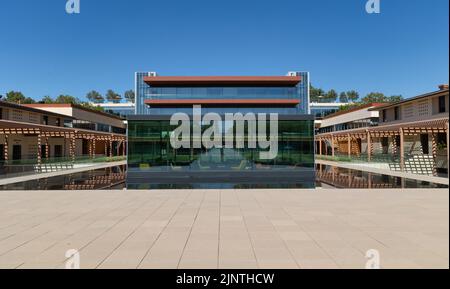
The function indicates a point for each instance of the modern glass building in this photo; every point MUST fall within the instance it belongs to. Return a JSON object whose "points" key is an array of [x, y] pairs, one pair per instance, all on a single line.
{"points": [[153, 162]]}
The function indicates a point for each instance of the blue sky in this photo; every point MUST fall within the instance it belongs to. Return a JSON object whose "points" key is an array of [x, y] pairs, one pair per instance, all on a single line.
{"points": [[44, 51]]}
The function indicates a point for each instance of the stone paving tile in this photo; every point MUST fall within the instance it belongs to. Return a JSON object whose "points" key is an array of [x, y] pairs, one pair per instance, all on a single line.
{"points": [[225, 228]]}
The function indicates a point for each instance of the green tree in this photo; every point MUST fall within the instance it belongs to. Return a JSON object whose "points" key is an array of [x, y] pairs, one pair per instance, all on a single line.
{"points": [[352, 95], [374, 97], [343, 97], [67, 99], [331, 96], [113, 97], [18, 97], [130, 96], [47, 100], [349, 106], [395, 98], [95, 97], [316, 94], [90, 106]]}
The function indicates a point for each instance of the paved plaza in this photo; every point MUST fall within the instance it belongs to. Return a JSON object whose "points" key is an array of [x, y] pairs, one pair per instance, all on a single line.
{"points": [[324, 228]]}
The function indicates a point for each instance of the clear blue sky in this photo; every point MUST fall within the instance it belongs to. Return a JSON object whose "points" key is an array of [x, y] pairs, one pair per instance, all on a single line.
{"points": [[44, 51]]}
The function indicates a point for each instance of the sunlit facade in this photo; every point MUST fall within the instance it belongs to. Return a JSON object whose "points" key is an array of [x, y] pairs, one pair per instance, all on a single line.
{"points": [[154, 163]]}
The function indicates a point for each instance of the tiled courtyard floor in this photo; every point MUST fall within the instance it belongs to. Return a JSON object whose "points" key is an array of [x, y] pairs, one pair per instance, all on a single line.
{"points": [[225, 228]]}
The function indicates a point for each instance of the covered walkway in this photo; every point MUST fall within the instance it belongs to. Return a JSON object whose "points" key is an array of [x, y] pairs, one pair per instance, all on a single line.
{"points": [[395, 144]]}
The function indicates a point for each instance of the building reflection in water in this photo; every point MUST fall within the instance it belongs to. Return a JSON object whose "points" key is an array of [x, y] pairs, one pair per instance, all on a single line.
{"points": [[101, 179], [354, 179]]}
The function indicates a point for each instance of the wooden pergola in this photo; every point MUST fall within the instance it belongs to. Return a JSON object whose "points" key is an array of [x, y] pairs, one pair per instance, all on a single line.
{"points": [[395, 131], [44, 132]]}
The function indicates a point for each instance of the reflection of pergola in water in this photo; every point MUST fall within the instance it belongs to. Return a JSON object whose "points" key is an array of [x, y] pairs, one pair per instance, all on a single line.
{"points": [[352, 139], [97, 182], [44, 132], [347, 179]]}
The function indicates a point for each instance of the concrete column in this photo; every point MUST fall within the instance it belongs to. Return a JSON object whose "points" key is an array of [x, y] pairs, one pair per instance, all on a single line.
{"points": [[106, 148], [402, 150], [124, 147], [320, 146]]}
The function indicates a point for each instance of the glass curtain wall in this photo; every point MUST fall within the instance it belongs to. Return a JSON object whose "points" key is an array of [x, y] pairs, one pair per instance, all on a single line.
{"points": [[150, 150]]}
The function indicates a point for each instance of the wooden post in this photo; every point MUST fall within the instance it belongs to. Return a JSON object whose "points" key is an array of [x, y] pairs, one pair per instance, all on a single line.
{"points": [[349, 145], [402, 150], [448, 149], [369, 147], [90, 148], [434, 152], [350, 178], [5, 148], [394, 145], [110, 148], [332, 145], [39, 144], [93, 147], [47, 148], [73, 147]]}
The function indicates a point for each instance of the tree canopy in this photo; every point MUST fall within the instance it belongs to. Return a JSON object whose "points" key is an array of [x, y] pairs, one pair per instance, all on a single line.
{"points": [[380, 97], [113, 96], [343, 97], [331, 96], [95, 97], [18, 97], [67, 99], [319, 95], [130, 96], [352, 96]]}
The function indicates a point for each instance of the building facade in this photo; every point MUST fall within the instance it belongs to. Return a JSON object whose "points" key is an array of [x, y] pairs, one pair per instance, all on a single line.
{"points": [[410, 135], [154, 162], [34, 136], [122, 109]]}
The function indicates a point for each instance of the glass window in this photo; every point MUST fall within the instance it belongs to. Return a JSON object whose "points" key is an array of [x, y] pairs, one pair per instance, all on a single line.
{"points": [[442, 104], [396, 113]]}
